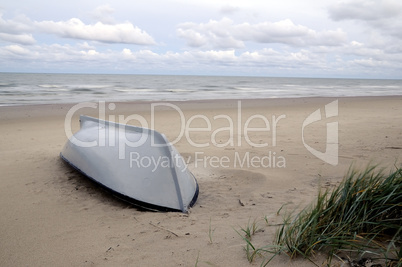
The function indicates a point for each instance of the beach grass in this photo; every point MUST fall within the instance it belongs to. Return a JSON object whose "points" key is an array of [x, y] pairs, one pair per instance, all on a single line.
{"points": [[362, 217]]}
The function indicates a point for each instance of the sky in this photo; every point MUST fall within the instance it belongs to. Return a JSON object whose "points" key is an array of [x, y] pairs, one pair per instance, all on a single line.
{"points": [[286, 38]]}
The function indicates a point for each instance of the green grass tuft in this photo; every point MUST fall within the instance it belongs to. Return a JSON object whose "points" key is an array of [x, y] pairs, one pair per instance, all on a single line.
{"points": [[250, 229], [362, 215]]}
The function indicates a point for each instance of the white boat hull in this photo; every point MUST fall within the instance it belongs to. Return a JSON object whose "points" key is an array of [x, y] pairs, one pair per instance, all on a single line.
{"points": [[138, 165]]}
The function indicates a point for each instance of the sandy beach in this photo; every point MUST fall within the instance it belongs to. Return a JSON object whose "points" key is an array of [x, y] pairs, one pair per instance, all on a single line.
{"points": [[249, 161]]}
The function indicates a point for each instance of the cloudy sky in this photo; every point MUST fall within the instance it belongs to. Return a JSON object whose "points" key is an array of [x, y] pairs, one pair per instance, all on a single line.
{"points": [[291, 38]]}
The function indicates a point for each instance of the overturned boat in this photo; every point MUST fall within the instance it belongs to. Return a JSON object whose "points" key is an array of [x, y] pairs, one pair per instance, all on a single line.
{"points": [[138, 165]]}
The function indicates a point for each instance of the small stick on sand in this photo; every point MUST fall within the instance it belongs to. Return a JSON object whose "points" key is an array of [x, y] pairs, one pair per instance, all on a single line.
{"points": [[173, 233]]}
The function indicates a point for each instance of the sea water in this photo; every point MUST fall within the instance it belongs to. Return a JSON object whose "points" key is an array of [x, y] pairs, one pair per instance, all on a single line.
{"points": [[24, 88]]}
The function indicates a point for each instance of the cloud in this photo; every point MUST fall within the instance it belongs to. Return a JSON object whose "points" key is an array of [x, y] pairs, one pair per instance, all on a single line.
{"points": [[19, 25], [286, 32], [16, 49], [117, 33], [354, 57], [225, 34], [381, 18], [16, 30], [229, 9], [90, 53], [255, 38], [24, 39], [365, 10], [226, 57], [20, 29], [85, 46], [104, 14], [216, 34]]}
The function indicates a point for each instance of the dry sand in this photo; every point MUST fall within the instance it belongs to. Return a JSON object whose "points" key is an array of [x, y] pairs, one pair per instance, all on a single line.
{"points": [[53, 216]]}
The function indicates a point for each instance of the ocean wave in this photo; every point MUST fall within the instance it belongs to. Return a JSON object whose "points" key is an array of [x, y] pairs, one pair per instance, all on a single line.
{"points": [[81, 90], [8, 85], [39, 88], [50, 86]]}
